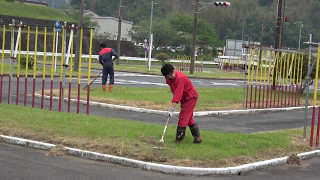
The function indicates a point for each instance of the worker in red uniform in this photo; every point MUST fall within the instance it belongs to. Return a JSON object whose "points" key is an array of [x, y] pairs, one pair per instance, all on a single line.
{"points": [[105, 59], [186, 94]]}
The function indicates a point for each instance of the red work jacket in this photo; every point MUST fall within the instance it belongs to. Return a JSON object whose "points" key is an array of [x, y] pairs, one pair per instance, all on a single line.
{"points": [[181, 87]]}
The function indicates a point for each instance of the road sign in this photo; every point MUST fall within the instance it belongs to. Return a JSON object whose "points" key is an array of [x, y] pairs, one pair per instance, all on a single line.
{"points": [[58, 26]]}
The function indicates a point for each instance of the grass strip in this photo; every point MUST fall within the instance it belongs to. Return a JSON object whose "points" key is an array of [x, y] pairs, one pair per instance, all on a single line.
{"points": [[136, 139]]}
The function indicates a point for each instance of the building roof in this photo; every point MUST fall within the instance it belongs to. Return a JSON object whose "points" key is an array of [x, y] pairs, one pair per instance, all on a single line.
{"points": [[96, 16]]}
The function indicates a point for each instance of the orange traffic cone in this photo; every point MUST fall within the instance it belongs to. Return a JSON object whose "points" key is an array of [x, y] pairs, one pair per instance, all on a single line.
{"points": [[110, 87], [104, 88]]}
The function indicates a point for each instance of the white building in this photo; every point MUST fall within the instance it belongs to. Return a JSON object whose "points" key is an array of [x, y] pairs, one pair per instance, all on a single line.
{"points": [[109, 25]]}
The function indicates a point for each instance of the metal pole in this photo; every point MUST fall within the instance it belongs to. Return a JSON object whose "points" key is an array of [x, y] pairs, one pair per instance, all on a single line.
{"points": [[64, 64], [150, 32], [195, 25], [301, 25], [76, 59], [307, 92], [119, 31]]}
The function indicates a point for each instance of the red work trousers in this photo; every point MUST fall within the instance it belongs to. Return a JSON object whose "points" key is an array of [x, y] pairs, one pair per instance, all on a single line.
{"points": [[186, 113]]}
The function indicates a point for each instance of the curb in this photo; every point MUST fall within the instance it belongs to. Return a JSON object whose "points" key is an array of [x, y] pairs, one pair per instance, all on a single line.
{"points": [[237, 170], [195, 114]]}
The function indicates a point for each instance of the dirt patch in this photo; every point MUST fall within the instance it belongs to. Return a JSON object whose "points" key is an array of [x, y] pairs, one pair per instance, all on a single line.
{"points": [[294, 160], [58, 150]]}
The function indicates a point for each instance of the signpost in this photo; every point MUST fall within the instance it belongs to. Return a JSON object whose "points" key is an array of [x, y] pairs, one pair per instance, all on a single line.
{"points": [[58, 27]]}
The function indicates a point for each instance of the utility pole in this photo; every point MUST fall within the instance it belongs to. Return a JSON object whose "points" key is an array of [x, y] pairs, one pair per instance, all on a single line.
{"points": [[195, 25], [119, 31], [279, 29], [76, 60]]}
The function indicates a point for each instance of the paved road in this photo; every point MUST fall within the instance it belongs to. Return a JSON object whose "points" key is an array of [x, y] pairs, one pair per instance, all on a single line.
{"points": [[18, 162]]}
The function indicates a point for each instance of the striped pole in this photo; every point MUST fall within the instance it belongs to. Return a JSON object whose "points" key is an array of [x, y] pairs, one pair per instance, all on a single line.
{"points": [[10, 63], [52, 64], [2, 59], [79, 74], [61, 74], [291, 81], [248, 80], [271, 70], [276, 80], [35, 67], [44, 64], [285, 76], [264, 77], [314, 104], [256, 85], [260, 79], [296, 75], [252, 73], [27, 68], [282, 60], [301, 67], [89, 71], [18, 71], [70, 77]]}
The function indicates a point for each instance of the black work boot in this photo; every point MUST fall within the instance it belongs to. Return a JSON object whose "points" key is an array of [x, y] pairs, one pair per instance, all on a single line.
{"points": [[195, 131], [181, 131]]}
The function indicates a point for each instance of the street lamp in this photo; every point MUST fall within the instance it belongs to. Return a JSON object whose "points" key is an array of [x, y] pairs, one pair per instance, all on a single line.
{"points": [[150, 36], [301, 26]]}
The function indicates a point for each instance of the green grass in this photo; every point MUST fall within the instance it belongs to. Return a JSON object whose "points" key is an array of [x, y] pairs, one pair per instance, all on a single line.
{"points": [[127, 134], [209, 98], [32, 11]]}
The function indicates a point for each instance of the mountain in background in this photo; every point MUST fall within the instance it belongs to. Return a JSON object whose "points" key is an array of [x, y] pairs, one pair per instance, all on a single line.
{"points": [[255, 18]]}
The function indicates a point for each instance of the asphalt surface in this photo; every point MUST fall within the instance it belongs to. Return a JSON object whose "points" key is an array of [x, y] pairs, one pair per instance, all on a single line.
{"points": [[18, 162]]}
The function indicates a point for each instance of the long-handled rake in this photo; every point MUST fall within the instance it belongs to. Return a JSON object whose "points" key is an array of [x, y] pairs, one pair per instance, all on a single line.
{"points": [[93, 80], [161, 142]]}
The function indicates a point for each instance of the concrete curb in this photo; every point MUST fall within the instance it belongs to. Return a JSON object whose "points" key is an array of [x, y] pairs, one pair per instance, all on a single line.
{"points": [[237, 170], [195, 114]]}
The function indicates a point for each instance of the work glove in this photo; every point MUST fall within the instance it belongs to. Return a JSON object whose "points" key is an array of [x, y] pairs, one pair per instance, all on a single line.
{"points": [[171, 112]]}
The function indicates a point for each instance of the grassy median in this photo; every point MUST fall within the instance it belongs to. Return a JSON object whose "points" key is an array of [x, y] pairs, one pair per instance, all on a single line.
{"points": [[135, 139]]}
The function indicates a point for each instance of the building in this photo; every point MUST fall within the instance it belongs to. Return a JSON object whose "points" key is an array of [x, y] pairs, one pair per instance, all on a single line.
{"points": [[109, 25], [43, 3]]}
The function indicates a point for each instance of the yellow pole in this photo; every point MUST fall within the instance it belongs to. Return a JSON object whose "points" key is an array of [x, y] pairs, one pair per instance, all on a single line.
{"points": [[261, 68], [316, 79], [90, 52], [80, 54], [27, 58], [35, 54], [257, 70], [301, 69], [44, 53], [53, 50], [3, 43], [253, 62], [62, 53], [265, 67], [19, 57], [291, 69], [249, 66], [280, 73], [71, 58]]}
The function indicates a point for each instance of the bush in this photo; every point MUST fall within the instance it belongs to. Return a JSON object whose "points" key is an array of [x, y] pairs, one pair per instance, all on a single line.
{"points": [[10, 0], [162, 57], [23, 60]]}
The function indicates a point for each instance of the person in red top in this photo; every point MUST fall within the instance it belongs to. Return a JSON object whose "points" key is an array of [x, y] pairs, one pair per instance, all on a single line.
{"points": [[186, 94], [105, 59]]}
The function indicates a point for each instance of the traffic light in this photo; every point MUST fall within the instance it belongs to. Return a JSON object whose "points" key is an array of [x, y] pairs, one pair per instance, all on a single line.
{"points": [[222, 4], [286, 19]]}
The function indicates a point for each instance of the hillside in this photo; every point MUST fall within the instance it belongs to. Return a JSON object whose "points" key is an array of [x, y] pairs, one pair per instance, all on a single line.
{"points": [[24, 10], [244, 16]]}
